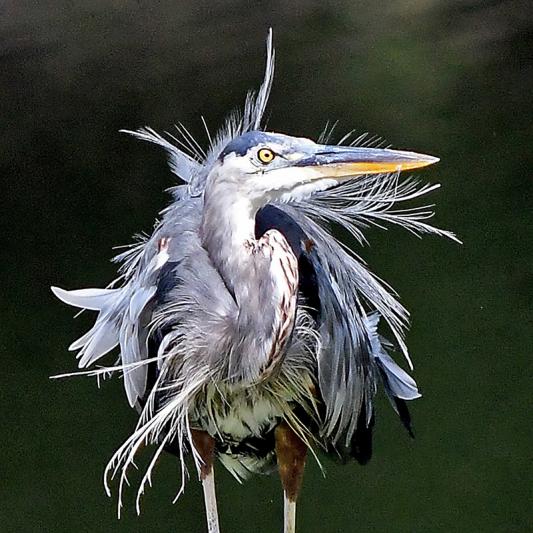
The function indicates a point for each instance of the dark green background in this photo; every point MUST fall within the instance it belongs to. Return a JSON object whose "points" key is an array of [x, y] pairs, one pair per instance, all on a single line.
{"points": [[450, 78]]}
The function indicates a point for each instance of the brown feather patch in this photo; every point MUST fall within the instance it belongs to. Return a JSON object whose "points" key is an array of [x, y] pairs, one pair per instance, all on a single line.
{"points": [[291, 453]]}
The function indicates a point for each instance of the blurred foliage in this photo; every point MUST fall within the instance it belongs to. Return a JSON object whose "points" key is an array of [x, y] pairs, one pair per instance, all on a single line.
{"points": [[451, 78]]}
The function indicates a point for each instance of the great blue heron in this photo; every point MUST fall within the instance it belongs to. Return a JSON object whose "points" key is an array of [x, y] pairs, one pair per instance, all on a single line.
{"points": [[247, 332]]}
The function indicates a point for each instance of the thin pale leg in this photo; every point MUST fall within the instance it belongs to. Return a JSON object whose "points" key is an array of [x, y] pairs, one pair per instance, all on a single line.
{"points": [[291, 452], [289, 514], [210, 499], [205, 445]]}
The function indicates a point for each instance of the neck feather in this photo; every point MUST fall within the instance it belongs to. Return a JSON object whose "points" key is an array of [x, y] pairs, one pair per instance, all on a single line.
{"points": [[228, 229]]}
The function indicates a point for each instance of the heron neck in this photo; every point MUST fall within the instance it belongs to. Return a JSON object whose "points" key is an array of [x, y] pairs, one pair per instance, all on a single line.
{"points": [[228, 229], [265, 297]]}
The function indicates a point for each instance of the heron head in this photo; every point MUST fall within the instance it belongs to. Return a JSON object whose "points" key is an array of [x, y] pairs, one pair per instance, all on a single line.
{"points": [[271, 166]]}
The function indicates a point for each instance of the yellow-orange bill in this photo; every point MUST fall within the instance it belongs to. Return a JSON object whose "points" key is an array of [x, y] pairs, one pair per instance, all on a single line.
{"points": [[354, 169], [339, 161]]}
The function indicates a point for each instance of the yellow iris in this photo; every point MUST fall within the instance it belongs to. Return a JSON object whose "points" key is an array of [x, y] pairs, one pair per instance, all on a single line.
{"points": [[265, 155]]}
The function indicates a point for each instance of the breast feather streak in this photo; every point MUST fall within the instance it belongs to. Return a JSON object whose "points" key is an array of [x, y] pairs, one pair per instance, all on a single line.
{"points": [[284, 272]]}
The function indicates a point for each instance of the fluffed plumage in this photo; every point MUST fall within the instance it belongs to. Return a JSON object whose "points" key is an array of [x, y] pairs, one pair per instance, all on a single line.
{"points": [[174, 319]]}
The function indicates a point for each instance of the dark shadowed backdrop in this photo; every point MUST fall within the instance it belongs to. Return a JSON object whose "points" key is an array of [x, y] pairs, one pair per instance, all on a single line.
{"points": [[450, 78]]}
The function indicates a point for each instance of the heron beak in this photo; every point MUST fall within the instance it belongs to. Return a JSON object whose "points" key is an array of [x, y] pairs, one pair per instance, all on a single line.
{"points": [[346, 161]]}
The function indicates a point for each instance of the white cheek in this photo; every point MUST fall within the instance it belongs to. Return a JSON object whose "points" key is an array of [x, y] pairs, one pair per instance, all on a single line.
{"points": [[278, 182], [237, 167], [300, 192]]}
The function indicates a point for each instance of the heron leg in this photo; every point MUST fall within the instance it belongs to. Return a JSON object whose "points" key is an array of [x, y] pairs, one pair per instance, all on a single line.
{"points": [[291, 452], [205, 446]]}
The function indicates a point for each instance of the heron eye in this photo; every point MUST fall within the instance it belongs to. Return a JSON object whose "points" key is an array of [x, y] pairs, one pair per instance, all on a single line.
{"points": [[265, 155]]}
